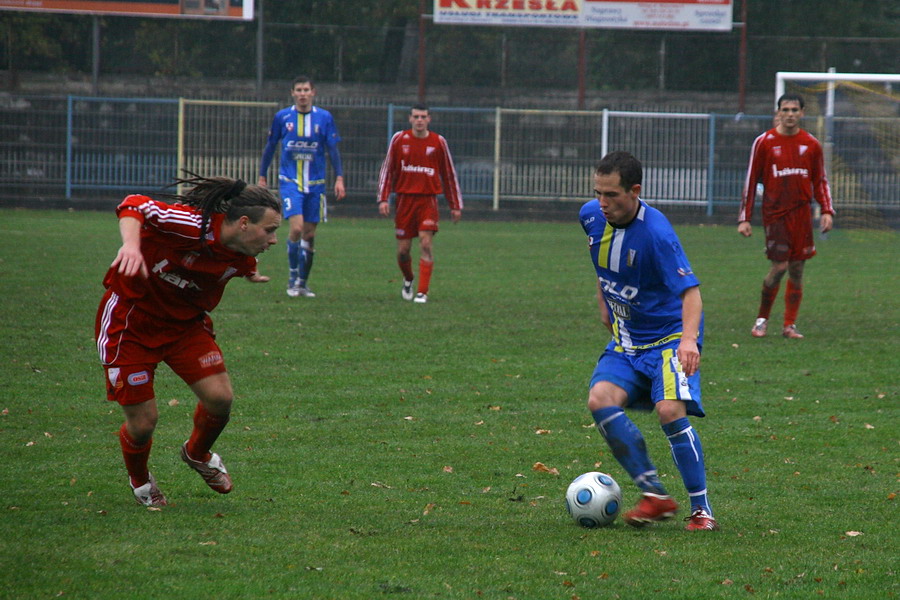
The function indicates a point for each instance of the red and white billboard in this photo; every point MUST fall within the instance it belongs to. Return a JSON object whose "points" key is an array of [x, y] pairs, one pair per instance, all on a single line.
{"points": [[196, 9], [703, 15]]}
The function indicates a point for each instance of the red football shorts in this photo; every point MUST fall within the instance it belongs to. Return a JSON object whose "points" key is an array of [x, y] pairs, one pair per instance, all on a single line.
{"points": [[791, 237], [415, 213], [131, 344]]}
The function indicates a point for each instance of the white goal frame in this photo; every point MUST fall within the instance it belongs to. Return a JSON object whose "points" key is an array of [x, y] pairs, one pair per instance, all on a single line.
{"points": [[831, 77]]}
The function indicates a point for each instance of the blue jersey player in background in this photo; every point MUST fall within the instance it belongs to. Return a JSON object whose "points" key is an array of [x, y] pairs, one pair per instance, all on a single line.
{"points": [[305, 133], [650, 301]]}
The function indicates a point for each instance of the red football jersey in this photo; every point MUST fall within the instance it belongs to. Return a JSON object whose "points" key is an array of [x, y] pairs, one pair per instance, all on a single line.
{"points": [[419, 166], [791, 169], [187, 275]]}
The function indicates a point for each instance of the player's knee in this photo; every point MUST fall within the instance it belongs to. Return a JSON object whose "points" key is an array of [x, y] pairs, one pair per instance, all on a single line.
{"points": [[670, 410], [141, 427], [600, 397], [219, 403]]}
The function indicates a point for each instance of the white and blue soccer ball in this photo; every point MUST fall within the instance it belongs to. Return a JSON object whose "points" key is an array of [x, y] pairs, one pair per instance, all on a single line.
{"points": [[594, 499]]}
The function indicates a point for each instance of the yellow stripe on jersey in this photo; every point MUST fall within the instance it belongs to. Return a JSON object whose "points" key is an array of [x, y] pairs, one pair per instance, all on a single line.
{"points": [[605, 242]]}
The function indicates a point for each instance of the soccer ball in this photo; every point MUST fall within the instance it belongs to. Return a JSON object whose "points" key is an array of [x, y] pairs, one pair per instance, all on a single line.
{"points": [[594, 499]]}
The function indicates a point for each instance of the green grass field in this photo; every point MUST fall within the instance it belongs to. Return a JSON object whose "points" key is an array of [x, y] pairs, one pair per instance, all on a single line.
{"points": [[383, 449]]}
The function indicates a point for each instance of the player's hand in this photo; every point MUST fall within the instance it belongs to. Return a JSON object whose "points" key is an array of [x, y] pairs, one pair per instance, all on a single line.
{"points": [[826, 222], [455, 215], [262, 182], [339, 190], [745, 229], [257, 278], [689, 356], [384, 209], [129, 262]]}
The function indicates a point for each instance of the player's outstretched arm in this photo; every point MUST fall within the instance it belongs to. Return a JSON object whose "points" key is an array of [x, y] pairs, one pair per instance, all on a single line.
{"points": [[129, 261]]}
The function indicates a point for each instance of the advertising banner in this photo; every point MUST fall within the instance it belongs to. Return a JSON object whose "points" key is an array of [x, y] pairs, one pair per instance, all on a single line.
{"points": [[686, 15], [195, 9]]}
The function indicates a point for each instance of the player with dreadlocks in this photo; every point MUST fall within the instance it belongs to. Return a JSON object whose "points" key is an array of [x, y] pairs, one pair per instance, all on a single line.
{"points": [[171, 270]]}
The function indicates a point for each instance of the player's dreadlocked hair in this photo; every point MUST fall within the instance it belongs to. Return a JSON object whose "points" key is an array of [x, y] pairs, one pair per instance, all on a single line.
{"points": [[232, 197]]}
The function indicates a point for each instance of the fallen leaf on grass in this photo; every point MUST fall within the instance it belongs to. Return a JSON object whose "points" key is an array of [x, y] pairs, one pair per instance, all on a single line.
{"points": [[448, 469], [542, 468], [542, 431], [378, 484], [210, 543], [173, 402], [429, 507], [853, 533]]}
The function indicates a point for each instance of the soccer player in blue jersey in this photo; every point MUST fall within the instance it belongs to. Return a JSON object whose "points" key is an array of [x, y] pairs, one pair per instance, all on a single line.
{"points": [[306, 133], [650, 301]]}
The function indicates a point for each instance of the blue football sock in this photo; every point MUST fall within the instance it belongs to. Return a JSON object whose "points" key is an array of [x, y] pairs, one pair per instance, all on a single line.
{"points": [[628, 446], [306, 260], [294, 257], [688, 455]]}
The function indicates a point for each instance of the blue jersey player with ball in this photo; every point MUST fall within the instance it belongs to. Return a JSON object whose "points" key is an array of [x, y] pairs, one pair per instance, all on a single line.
{"points": [[650, 301]]}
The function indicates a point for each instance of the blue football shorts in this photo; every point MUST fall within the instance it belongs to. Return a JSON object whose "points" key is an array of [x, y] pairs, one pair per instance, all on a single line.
{"points": [[312, 205], [649, 376]]}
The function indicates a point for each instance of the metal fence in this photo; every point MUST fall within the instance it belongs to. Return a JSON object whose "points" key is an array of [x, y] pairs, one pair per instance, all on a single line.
{"points": [[77, 149]]}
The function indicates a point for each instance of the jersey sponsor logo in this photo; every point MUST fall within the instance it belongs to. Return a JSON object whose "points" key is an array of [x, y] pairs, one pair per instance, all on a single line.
{"points": [[626, 292], [302, 149], [789, 171], [416, 169], [173, 278], [139, 378], [620, 309], [210, 359]]}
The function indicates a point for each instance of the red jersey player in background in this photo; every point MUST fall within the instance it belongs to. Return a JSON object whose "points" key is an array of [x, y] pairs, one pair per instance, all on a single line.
{"points": [[788, 162], [418, 161], [171, 270]]}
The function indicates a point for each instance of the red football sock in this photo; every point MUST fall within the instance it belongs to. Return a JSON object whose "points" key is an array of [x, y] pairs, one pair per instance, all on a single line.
{"points": [[767, 300], [207, 428], [425, 269], [136, 457], [793, 295], [406, 268]]}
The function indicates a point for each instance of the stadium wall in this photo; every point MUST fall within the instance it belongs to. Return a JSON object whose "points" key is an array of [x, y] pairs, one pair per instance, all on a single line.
{"points": [[87, 152]]}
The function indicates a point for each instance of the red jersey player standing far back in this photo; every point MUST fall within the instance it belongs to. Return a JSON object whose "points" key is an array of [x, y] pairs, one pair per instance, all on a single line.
{"points": [[788, 161], [418, 162]]}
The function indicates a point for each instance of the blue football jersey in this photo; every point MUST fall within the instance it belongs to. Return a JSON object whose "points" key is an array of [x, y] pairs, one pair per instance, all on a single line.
{"points": [[304, 137], [642, 271]]}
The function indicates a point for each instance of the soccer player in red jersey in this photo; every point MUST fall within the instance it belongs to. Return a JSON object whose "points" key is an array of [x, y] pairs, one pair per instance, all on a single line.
{"points": [[170, 271], [418, 161], [788, 162]]}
